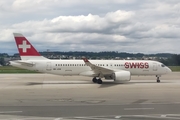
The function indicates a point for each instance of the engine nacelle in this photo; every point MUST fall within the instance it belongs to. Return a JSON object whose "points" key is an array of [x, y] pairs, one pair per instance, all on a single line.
{"points": [[122, 76]]}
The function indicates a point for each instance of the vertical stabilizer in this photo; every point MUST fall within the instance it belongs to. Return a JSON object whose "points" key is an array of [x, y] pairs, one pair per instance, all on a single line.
{"points": [[25, 48]]}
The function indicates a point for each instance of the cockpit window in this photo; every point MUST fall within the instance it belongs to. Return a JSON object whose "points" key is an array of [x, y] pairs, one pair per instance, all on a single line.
{"points": [[162, 65]]}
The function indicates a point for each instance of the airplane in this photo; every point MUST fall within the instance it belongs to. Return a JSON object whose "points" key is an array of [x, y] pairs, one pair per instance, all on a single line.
{"points": [[117, 70]]}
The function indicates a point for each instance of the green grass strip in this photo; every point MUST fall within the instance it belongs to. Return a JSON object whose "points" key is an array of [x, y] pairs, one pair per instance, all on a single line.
{"points": [[11, 69], [174, 68]]}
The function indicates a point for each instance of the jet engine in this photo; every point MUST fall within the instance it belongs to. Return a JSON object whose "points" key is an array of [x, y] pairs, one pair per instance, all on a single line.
{"points": [[122, 76]]}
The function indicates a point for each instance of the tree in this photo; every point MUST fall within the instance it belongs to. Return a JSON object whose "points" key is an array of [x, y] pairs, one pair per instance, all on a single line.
{"points": [[176, 59], [2, 62]]}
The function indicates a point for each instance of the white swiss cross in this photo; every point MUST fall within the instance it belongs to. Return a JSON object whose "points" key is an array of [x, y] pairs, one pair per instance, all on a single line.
{"points": [[24, 46]]}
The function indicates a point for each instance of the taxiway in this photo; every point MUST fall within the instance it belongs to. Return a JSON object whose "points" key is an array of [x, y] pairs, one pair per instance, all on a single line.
{"points": [[44, 96]]}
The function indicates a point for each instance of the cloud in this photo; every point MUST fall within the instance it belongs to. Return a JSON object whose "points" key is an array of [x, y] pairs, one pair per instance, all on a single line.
{"points": [[75, 24], [105, 25]]}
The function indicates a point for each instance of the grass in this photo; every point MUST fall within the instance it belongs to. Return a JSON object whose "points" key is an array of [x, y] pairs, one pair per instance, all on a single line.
{"points": [[174, 68], [11, 69]]}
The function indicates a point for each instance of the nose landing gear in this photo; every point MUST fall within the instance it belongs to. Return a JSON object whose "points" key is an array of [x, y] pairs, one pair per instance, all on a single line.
{"points": [[158, 80]]}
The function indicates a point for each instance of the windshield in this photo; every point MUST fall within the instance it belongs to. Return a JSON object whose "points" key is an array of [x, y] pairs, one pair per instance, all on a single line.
{"points": [[162, 65]]}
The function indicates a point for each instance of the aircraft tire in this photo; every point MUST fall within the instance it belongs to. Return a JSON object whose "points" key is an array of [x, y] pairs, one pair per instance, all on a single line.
{"points": [[94, 80], [99, 81], [158, 81]]}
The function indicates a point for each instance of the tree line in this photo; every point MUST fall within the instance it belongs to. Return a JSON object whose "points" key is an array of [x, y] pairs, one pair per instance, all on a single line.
{"points": [[166, 58], [174, 60]]}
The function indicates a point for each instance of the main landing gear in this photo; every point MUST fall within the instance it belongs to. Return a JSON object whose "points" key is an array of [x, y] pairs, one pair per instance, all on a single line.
{"points": [[95, 80], [158, 80]]}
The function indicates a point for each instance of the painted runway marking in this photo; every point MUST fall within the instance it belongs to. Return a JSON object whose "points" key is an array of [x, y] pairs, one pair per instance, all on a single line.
{"points": [[117, 117], [138, 108], [163, 115], [58, 118], [92, 118], [1, 112]]}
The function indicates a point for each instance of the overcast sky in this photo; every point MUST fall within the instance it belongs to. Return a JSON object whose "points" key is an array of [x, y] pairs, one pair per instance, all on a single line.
{"points": [[145, 26]]}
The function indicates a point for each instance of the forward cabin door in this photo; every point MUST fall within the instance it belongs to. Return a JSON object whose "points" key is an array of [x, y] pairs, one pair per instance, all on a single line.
{"points": [[48, 66], [154, 66]]}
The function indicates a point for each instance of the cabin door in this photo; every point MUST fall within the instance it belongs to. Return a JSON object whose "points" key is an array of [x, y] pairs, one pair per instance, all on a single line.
{"points": [[154, 66], [48, 66]]}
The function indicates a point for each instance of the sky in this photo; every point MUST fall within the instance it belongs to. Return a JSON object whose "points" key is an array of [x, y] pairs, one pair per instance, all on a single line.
{"points": [[134, 26]]}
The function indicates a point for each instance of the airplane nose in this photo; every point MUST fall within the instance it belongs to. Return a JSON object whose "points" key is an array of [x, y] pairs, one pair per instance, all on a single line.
{"points": [[168, 70]]}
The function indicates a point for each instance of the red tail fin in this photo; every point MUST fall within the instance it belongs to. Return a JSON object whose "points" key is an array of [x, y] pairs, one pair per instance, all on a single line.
{"points": [[26, 50], [24, 46]]}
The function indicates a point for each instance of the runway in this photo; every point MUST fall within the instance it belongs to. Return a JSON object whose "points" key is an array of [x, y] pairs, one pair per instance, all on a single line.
{"points": [[50, 97]]}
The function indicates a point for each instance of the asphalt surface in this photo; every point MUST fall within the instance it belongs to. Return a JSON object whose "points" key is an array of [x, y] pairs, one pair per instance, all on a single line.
{"points": [[50, 97]]}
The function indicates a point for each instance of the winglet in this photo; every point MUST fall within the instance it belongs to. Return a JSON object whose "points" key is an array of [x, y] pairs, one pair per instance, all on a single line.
{"points": [[85, 60]]}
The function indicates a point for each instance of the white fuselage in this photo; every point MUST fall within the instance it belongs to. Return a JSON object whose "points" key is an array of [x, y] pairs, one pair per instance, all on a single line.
{"points": [[78, 67], [118, 70]]}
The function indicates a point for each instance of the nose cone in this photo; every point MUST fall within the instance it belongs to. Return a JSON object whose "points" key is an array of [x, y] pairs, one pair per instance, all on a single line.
{"points": [[168, 70]]}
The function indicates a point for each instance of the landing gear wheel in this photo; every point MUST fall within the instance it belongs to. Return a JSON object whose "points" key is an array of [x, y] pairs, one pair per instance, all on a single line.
{"points": [[99, 81], [158, 81], [94, 80]]}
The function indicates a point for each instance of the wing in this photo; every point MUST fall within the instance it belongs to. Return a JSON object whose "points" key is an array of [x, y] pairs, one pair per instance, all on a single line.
{"points": [[101, 71]]}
